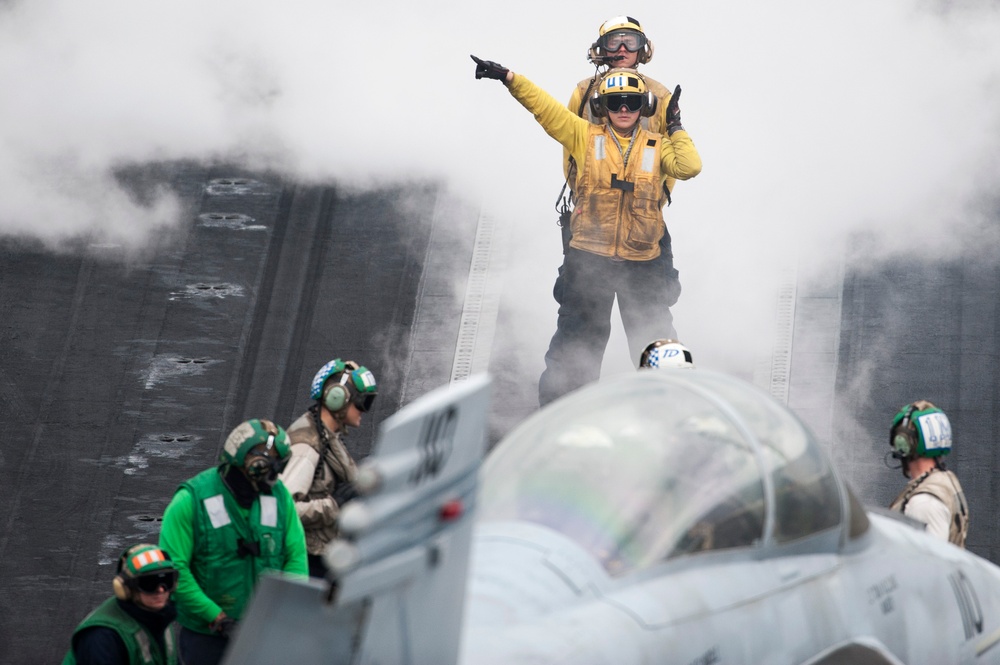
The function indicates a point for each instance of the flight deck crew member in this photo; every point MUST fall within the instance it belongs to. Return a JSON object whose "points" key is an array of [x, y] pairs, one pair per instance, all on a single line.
{"points": [[617, 224], [622, 43], [320, 473], [225, 528], [920, 437], [134, 627]]}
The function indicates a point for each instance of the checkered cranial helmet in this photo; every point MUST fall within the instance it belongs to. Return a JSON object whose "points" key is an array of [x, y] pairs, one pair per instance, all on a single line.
{"points": [[340, 383], [335, 366], [666, 353]]}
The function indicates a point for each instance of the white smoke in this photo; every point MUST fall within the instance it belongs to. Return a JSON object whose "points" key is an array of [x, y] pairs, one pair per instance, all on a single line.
{"points": [[812, 120]]}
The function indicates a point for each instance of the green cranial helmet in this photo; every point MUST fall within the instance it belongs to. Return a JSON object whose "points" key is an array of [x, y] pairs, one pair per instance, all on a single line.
{"points": [[144, 568], [143, 559], [920, 429], [253, 433]]}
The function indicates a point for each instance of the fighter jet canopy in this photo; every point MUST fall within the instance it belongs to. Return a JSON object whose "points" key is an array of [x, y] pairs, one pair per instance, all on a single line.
{"points": [[660, 465]]}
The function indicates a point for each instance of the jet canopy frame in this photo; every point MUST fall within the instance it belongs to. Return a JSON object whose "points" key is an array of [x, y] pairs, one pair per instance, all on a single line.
{"points": [[639, 470]]}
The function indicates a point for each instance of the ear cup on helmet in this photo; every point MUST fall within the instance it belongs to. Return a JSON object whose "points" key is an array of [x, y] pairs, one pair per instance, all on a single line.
{"points": [[649, 108], [336, 397], [594, 52], [122, 590], [902, 439], [596, 107], [903, 444], [120, 586], [647, 52]]}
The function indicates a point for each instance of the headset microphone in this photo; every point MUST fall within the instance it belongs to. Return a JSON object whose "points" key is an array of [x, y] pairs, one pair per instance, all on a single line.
{"points": [[594, 57]]}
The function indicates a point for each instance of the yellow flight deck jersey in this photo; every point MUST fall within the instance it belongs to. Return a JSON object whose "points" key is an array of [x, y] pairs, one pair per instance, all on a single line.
{"points": [[619, 210]]}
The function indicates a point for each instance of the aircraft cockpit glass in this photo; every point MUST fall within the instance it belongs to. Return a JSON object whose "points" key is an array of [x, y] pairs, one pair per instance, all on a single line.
{"points": [[633, 472], [806, 492]]}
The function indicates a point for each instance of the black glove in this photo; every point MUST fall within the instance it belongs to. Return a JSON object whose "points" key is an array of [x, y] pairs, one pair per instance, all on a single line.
{"points": [[345, 492], [489, 69], [674, 112], [226, 627]]}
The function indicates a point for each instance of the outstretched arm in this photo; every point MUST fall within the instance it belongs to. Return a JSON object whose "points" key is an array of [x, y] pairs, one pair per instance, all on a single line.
{"points": [[558, 121]]}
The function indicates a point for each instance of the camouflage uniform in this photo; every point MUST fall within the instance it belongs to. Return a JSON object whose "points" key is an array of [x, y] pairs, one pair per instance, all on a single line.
{"points": [[314, 471]]}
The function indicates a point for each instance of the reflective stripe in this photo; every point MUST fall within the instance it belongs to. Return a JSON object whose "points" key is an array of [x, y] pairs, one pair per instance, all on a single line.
{"points": [[216, 509], [145, 558], [598, 147], [168, 640], [648, 155], [268, 510], [143, 641]]}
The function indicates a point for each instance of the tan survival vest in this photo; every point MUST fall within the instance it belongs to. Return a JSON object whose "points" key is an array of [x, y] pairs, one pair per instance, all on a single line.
{"points": [[333, 465], [619, 208], [945, 487]]}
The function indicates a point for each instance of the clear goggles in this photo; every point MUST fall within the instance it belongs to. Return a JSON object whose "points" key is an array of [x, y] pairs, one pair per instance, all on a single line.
{"points": [[633, 101], [614, 40]]}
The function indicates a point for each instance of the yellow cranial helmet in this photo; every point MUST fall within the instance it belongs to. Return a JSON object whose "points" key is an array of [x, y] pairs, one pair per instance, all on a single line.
{"points": [[623, 87], [622, 81], [619, 23], [622, 30]]}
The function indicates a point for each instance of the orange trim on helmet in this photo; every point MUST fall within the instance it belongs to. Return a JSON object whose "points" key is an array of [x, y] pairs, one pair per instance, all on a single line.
{"points": [[143, 559]]}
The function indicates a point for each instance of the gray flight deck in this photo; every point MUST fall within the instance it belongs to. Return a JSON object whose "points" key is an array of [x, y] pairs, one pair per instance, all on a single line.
{"points": [[121, 374]]}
